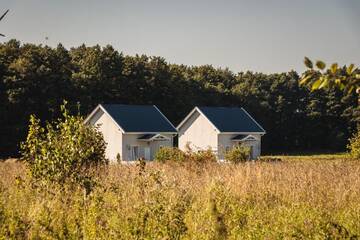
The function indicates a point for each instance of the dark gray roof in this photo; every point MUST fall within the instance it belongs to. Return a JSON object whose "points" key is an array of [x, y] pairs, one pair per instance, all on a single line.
{"points": [[139, 118], [146, 136], [243, 137], [239, 137], [231, 119]]}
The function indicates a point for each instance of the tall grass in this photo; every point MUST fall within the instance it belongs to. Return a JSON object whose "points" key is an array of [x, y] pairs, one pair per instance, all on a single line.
{"points": [[301, 200]]}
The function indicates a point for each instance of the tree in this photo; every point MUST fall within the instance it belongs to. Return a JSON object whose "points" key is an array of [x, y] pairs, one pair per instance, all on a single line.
{"points": [[346, 78], [34, 79], [354, 145], [64, 151]]}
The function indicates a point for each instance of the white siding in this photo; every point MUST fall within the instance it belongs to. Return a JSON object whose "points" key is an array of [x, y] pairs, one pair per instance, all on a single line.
{"points": [[132, 140], [199, 132], [111, 132], [225, 141]]}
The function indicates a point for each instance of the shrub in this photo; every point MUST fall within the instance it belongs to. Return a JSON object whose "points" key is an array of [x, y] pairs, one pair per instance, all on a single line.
{"points": [[65, 150], [204, 156], [118, 158], [354, 145], [238, 154], [169, 154]]}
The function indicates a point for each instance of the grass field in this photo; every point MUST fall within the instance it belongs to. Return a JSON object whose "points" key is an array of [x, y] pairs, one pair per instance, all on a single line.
{"points": [[302, 197]]}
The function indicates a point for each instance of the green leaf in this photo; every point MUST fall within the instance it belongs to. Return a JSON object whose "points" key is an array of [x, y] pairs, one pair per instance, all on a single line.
{"points": [[350, 69], [334, 68], [305, 79], [350, 89], [320, 64], [324, 83], [342, 86], [316, 84], [308, 63]]}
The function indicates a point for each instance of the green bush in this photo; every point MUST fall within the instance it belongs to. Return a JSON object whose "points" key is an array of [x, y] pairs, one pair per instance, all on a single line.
{"points": [[65, 150], [204, 156], [165, 154], [354, 145], [174, 154], [238, 154]]}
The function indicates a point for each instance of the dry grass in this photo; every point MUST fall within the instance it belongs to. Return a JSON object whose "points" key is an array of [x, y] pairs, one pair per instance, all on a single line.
{"points": [[314, 157], [289, 199]]}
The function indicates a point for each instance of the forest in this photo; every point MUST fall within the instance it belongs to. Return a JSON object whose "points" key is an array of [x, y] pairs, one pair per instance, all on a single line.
{"points": [[35, 79]]}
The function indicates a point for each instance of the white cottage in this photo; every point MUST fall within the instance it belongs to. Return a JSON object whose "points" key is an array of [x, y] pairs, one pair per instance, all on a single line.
{"points": [[132, 131], [220, 128]]}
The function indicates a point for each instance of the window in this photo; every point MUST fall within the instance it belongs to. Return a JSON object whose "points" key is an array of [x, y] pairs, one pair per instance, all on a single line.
{"points": [[227, 149], [134, 153]]}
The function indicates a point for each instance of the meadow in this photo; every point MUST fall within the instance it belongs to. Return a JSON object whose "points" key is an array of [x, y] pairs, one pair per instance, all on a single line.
{"points": [[300, 197]]}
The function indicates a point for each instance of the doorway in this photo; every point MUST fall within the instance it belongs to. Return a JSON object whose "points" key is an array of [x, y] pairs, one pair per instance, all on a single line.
{"points": [[251, 152], [147, 153]]}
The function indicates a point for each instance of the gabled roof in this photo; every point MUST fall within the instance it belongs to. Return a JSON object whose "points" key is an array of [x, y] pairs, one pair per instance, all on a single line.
{"points": [[137, 118], [243, 137], [146, 136], [239, 137], [152, 137], [228, 119]]}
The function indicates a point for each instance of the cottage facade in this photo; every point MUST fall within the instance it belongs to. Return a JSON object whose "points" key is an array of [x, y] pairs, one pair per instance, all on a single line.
{"points": [[132, 131], [220, 129]]}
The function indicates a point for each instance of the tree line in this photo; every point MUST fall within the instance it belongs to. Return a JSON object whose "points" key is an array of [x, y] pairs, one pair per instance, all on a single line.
{"points": [[35, 79]]}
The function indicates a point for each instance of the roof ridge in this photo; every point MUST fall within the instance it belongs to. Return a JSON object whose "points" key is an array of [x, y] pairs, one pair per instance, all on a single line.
{"points": [[223, 120], [137, 118]]}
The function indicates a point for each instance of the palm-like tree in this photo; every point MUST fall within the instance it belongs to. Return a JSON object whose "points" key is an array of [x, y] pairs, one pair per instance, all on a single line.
{"points": [[2, 35]]}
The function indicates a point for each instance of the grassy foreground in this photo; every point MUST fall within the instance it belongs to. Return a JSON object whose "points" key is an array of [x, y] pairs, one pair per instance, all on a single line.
{"points": [[290, 199]]}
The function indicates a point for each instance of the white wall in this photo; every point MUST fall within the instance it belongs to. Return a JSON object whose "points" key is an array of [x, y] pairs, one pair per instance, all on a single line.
{"points": [[117, 142], [132, 140], [224, 140], [199, 132], [111, 132]]}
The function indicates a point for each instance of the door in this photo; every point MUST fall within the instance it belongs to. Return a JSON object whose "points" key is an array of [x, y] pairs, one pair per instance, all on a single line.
{"points": [[147, 153], [134, 153], [251, 152]]}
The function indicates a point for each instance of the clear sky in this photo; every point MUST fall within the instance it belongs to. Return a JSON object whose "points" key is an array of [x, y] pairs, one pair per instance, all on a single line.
{"points": [[258, 35]]}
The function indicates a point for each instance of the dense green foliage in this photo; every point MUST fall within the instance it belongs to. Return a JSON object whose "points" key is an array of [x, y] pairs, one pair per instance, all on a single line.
{"points": [[310, 199], [173, 154], [238, 154], [66, 150], [166, 154], [201, 157], [346, 78], [36, 79], [354, 145]]}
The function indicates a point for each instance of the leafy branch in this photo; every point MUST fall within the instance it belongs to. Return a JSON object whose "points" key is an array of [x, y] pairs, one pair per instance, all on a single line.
{"points": [[346, 78]]}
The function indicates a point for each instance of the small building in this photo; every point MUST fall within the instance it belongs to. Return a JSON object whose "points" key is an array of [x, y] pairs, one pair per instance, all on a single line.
{"points": [[220, 129], [132, 131]]}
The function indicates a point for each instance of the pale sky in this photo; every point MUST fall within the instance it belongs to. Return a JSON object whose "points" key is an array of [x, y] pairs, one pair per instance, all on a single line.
{"points": [[258, 35]]}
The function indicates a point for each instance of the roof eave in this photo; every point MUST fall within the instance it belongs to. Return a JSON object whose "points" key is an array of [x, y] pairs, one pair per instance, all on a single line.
{"points": [[165, 117], [104, 110], [191, 113], [150, 132], [254, 120], [262, 133]]}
